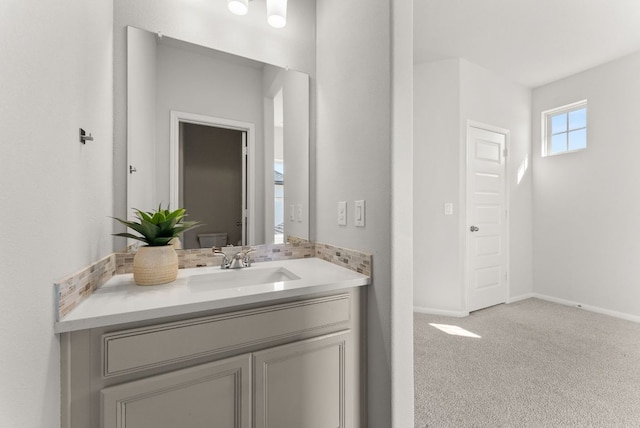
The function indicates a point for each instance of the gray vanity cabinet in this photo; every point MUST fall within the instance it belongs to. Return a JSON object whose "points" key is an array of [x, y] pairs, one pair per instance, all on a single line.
{"points": [[296, 363], [188, 398], [305, 384]]}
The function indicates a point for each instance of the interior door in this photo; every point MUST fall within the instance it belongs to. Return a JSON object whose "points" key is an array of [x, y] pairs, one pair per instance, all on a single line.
{"points": [[486, 218], [214, 182]]}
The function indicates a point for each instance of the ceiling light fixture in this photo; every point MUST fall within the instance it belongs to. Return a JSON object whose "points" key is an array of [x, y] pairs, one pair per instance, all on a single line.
{"points": [[276, 10], [238, 7], [277, 13]]}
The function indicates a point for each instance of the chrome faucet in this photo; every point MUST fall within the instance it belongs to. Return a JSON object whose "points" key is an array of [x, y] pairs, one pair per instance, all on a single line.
{"points": [[238, 260]]}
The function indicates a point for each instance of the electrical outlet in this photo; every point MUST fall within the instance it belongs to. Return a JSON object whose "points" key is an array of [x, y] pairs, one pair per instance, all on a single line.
{"points": [[342, 213]]}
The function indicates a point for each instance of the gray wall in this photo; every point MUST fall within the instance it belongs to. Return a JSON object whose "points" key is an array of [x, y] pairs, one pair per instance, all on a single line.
{"points": [[586, 207], [448, 94], [56, 194], [437, 267], [353, 161]]}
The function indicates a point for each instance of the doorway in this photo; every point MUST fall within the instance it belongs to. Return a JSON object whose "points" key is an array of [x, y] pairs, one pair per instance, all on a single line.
{"points": [[211, 178], [486, 233]]}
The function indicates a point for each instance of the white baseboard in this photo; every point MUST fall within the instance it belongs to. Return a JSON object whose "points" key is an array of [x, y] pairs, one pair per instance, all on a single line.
{"points": [[520, 297], [433, 311], [565, 302], [596, 309]]}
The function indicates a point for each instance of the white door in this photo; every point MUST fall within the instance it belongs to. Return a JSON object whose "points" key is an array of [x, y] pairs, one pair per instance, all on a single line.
{"points": [[486, 218]]}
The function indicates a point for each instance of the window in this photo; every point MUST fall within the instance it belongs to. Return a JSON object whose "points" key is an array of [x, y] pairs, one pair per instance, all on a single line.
{"points": [[564, 129]]}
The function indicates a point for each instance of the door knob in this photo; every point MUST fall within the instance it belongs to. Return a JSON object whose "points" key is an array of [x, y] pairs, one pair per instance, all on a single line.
{"points": [[474, 228]]}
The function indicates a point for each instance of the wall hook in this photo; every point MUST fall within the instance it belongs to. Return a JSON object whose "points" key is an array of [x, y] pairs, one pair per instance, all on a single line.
{"points": [[84, 137]]}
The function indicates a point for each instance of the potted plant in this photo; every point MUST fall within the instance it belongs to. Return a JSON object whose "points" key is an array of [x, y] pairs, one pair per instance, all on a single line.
{"points": [[157, 261]]}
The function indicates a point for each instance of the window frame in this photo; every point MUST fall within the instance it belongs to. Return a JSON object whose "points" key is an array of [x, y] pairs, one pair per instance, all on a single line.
{"points": [[546, 127]]}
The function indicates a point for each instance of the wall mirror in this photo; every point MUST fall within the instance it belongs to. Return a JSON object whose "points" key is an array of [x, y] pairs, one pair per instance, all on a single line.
{"points": [[224, 136]]}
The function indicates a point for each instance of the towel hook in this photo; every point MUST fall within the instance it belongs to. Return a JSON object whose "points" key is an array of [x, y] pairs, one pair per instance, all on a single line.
{"points": [[84, 137]]}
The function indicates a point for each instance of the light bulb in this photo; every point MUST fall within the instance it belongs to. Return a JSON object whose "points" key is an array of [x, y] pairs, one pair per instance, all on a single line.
{"points": [[277, 13], [239, 7]]}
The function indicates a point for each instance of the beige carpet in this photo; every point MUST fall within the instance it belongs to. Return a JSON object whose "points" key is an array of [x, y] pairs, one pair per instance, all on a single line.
{"points": [[537, 364]]}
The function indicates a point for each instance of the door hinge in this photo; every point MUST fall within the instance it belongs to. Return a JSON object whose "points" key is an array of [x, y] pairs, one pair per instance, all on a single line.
{"points": [[504, 152], [245, 150]]}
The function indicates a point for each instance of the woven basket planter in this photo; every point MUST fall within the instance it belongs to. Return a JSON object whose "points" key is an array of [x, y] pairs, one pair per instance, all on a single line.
{"points": [[155, 265]]}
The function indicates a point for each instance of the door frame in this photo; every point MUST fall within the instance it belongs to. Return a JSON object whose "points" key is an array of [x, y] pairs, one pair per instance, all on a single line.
{"points": [[465, 199], [249, 176]]}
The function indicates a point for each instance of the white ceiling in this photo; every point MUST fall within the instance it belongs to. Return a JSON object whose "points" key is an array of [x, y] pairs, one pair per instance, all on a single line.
{"points": [[532, 42]]}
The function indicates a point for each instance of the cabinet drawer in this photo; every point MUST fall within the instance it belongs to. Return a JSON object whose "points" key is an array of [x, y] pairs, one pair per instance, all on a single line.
{"points": [[133, 350]]}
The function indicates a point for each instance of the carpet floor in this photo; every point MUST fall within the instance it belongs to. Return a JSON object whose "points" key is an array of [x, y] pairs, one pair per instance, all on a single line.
{"points": [[535, 364]]}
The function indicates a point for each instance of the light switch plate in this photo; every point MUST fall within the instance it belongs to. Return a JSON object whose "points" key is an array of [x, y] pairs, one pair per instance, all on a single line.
{"points": [[359, 213], [299, 213], [342, 213], [292, 212], [448, 208]]}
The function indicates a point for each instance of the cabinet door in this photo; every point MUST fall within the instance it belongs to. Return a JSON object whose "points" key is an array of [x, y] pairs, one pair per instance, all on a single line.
{"points": [[307, 384], [216, 394]]}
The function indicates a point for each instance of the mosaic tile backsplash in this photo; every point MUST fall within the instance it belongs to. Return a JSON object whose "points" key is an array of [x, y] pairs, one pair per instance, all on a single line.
{"points": [[72, 290], [201, 257], [350, 259]]}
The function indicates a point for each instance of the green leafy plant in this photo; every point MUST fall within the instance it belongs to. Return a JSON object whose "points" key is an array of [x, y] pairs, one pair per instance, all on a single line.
{"points": [[159, 227]]}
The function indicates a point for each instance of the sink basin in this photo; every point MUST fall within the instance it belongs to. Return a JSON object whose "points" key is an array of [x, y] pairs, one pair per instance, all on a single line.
{"points": [[234, 278]]}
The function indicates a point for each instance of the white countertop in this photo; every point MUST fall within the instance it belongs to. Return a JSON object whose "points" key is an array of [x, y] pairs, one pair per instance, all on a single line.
{"points": [[120, 300]]}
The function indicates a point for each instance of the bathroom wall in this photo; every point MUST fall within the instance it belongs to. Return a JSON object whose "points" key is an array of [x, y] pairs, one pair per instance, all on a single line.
{"points": [[356, 104], [402, 239], [586, 207], [56, 194], [448, 93], [437, 151]]}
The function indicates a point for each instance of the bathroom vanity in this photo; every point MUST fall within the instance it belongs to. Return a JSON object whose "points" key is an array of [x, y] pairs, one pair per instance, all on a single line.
{"points": [[280, 344]]}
